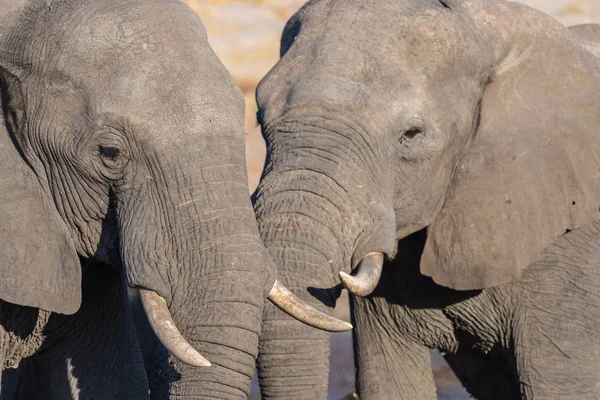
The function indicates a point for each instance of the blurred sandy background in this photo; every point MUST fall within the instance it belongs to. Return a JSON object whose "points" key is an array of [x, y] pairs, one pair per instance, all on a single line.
{"points": [[245, 35]]}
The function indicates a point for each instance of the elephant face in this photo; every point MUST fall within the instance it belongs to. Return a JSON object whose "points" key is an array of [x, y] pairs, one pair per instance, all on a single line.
{"points": [[399, 110], [122, 137], [410, 106], [110, 113], [385, 118], [101, 105]]}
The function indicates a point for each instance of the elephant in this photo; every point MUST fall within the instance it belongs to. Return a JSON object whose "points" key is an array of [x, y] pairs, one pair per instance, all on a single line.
{"points": [[439, 160], [589, 37], [123, 166]]}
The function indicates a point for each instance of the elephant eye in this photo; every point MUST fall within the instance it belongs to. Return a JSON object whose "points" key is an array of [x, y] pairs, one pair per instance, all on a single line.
{"points": [[112, 157], [110, 153], [411, 134]]}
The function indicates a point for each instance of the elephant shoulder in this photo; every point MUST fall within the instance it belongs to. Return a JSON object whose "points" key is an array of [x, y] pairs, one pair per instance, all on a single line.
{"points": [[581, 246], [573, 257]]}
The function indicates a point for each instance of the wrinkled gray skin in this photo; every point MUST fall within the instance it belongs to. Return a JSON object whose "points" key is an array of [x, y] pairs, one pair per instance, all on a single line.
{"points": [[122, 164], [461, 139]]}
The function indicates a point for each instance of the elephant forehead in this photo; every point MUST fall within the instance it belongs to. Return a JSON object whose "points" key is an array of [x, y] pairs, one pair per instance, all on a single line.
{"points": [[150, 61], [112, 37], [206, 98], [377, 59], [420, 36]]}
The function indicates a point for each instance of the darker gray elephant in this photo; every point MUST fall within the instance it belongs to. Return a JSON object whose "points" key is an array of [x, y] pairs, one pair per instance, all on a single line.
{"points": [[123, 165], [459, 140]]}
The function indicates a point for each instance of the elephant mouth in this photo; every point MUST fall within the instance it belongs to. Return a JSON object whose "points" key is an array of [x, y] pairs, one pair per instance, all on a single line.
{"points": [[164, 327], [368, 271], [367, 275]]}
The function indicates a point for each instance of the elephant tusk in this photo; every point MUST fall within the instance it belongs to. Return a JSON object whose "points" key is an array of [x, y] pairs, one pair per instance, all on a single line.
{"points": [[163, 326], [367, 276], [283, 298]]}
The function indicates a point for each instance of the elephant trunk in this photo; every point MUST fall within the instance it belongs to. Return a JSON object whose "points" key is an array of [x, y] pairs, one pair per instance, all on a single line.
{"points": [[320, 211], [222, 324], [293, 358], [217, 304], [189, 239]]}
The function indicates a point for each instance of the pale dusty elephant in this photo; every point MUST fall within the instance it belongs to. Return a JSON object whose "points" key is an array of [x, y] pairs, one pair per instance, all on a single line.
{"points": [[459, 141], [123, 164]]}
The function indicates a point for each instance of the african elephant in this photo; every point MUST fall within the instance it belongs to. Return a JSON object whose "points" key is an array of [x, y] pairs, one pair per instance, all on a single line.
{"points": [[441, 160], [123, 165], [589, 36]]}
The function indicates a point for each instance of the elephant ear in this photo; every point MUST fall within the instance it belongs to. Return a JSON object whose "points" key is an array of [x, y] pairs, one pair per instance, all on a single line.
{"points": [[532, 172], [39, 266]]}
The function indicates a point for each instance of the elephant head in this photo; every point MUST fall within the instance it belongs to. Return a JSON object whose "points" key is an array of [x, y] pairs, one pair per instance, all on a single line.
{"points": [[122, 141], [477, 120]]}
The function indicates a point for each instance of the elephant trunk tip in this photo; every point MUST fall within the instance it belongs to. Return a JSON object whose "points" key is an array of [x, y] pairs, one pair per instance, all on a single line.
{"points": [[164, 327], [367, 276], [285, 300]]}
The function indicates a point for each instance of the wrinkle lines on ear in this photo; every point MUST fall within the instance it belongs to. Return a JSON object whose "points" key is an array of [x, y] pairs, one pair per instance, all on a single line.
{"points": [[520, 154], [40, 266]]}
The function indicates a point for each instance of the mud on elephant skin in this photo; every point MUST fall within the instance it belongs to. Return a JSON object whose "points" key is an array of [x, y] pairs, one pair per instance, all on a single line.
{"points": [[123, 164], [466, 132]]}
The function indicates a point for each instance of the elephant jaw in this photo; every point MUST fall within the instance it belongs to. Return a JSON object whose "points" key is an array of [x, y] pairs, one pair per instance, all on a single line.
{"points": [[164, 327]]}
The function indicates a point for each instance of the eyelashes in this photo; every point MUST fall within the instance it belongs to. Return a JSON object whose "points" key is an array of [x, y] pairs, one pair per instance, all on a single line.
{"points": [[112, 157], [411, 134]]}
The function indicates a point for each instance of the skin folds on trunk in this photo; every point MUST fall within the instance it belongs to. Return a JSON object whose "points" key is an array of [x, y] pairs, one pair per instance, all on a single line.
{"points": [[218, 308], [315, 222], [210, 266], [293, 356]]}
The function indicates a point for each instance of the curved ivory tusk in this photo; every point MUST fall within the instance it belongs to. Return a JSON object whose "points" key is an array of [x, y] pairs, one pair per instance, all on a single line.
{"points": [[367, 275], [283, 298], [163, 326]]}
